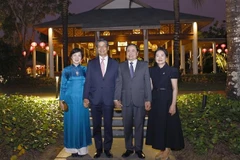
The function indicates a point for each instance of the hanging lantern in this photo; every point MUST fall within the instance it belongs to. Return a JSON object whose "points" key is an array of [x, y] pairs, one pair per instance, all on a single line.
{"points": [[219, 50], [42, 44], [204, 50], [223, 46], [54, 53], [34, 44], [210, 50], [226, 50], [24, 53], [47, 48]]}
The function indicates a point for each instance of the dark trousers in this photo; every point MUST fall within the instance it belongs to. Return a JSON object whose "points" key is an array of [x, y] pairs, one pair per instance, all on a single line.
{"points": [[99, 111], [133, 116]]}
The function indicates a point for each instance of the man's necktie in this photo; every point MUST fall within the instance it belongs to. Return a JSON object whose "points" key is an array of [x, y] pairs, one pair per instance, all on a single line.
{"points": [[102, 67], [131, 69]]}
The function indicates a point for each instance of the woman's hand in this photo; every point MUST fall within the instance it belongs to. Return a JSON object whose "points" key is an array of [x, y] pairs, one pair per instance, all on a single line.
{"points": [[86, 103], [172, 110], [61, 105]]}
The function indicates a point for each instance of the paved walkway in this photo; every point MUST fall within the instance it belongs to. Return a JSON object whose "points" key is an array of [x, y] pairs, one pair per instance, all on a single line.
{"points": [[117, 149]]}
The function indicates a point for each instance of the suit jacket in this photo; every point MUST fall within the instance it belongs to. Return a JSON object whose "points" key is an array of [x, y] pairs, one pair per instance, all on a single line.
{"points": [[136, 89], [99, 89]]}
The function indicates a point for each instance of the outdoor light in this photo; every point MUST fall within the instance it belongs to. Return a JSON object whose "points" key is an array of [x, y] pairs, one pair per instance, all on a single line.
{"points": [[90, 45], [219, 50], [106, 33], [136, 31], [42, 44], [31, 48], [34, 44], [226, 50], [24, 53], [54, 53], [47, 48], [204, 50], [154, 47], [210, 49], [223, 46]]}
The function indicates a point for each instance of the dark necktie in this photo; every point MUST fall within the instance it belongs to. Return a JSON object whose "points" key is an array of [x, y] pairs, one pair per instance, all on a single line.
{"points": [[131, 69]]}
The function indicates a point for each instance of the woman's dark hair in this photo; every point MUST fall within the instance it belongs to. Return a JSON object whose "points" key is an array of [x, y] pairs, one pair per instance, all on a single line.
{"points": [[75, 50], [161, 49], [131, 44]]}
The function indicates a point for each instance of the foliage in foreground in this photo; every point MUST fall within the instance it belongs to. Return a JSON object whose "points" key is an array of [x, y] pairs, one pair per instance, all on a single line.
{"points": [[28, 123], [217, 123]]}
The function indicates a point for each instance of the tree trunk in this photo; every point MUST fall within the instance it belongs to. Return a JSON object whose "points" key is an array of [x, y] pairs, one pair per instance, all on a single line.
{"points": [[233, 41], [65, 5], [176, 33]]}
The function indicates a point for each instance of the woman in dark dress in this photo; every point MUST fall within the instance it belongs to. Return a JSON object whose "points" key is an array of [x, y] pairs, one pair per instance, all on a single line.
{"points": [[164, 130]]}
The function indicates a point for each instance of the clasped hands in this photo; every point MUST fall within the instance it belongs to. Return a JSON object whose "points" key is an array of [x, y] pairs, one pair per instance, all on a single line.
{"points": [[86, 103], [118, 104]]}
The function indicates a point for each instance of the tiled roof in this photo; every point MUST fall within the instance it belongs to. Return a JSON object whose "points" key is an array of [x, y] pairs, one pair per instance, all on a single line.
{"points": [[124, 18]]}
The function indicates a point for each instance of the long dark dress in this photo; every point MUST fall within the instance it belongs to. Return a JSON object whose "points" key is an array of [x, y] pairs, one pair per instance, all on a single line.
{"points": [[163, 130], [77, 132]]}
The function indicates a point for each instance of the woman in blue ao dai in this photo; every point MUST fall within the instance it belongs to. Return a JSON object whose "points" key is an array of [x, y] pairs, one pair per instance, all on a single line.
{"points": [[77, 133]]}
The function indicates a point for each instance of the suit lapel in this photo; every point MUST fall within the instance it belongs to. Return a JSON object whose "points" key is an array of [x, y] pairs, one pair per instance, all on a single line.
{"points": [[138, 66], [127, 69], [98, 67], [108, 66]]}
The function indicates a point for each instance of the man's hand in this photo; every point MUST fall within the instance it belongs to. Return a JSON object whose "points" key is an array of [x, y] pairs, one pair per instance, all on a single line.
{"points": [[147, 105], [117, 103], [86, 103]]}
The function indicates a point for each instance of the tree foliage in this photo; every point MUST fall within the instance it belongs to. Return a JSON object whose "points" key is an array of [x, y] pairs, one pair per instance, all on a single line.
{"points": [[18, 16]]}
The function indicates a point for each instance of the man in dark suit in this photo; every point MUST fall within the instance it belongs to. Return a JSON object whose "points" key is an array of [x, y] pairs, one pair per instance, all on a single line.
{"points": [[99, 89], [133, 94]]}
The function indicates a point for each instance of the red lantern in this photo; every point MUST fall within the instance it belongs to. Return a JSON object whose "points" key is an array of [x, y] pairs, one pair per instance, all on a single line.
{"points": [[34, 44], [204, 50], [47, 48], [24, 53], [210, 49], [226, 50], [42, 44], [31, 48], [54, 53], [223, 46]]}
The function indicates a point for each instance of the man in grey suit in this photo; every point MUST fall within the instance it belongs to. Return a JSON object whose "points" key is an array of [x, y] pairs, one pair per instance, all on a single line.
{"points": [[133, 94]]}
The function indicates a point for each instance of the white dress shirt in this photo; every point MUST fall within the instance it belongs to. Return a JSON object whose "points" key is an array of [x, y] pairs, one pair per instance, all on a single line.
{"points": [[134, 64], [105, 61]]}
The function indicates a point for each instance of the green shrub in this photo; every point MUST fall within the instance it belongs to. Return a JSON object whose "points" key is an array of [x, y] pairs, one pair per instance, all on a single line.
{"points": [[217, 123], [29, 122], [204, 78]]}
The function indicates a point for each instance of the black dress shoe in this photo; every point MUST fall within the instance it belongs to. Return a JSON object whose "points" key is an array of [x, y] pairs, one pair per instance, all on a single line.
{"points": [[97, 154], [75, 155], [140, 154], [108, 153], [127, 153]]}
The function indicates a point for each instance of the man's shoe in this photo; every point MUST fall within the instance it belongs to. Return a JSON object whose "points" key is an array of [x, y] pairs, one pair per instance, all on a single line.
{"points": [[75, 155], [127, 153], [108, 153], [140, 154], [97, 154]]}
